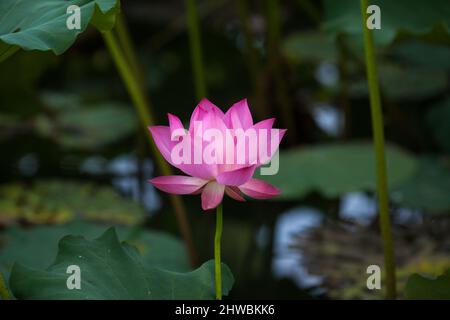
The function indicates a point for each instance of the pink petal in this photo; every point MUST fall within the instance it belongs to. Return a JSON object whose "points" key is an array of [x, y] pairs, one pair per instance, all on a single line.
{"points": [[175, 124], [236, 177], [178, 184], [206, 116], [212, 118], [239, 116], [203, 171], [212, 195], [203, 109], [210, 107], [259, 189], [161, 136], [235, 193], [264, 124], [268, 144], [199, 169]]}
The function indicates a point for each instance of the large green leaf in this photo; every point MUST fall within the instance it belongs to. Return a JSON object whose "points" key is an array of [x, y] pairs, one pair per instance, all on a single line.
{"points": [[424, 288], [161, 250], [310, 47], [88, 127], [405, 83], [111, 270], [41, 25], [36, 246], [55, 201], [423, 53], [428, 188], [416, 17], [335, 169], [438, 120]]}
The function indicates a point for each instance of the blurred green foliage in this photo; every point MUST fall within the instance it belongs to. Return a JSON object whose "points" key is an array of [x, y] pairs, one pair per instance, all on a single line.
{"points": [[53, 201], [427, 288], [401, 17], [74, 105], [336, 169], [405, 83], [88, 127], [428, 188]]}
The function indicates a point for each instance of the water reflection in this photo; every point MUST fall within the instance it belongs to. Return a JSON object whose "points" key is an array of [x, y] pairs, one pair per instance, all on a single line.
{"points": [[358, 207], [327, 74], [328, 118], [124, 170], [287, 261], [408, 216], [28, 165], [94, 165], [361, 208]]}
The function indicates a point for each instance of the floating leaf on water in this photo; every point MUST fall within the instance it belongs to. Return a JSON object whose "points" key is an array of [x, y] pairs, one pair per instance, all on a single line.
{"points": [[434, 288], [310, 47], [428, 189], [57, 101], [55, 201], [405, 83], [335, 169], [423, 53], [89, 127]]}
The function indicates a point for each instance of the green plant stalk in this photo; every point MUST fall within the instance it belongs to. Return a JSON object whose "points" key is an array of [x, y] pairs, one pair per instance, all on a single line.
{"points": [[252, 54], [4, 292], [196, 48], [141, 103], [252, 58], [178, 24], [273, 46], [344, 99], [381, 172], [10, 50], [127, 45], [217, 262], [310, 10]]}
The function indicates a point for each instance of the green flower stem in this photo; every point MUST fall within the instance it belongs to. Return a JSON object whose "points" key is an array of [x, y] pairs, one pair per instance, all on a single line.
{"points": [[218, 266], [142, 106], [4, 292], [196, 48], [378, 136]]}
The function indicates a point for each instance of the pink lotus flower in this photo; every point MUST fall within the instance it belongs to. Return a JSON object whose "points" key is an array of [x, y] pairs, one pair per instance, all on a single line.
{"points": [[213, 178]]}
